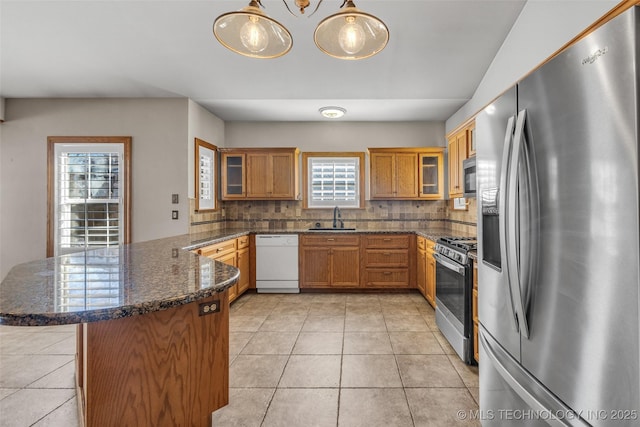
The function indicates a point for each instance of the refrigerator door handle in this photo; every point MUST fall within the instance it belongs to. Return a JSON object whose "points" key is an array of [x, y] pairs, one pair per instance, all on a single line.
{"points": [[503, 221], [513, 240], [528, 388]]}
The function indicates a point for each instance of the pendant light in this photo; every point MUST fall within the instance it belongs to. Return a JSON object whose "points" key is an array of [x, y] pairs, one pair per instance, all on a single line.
{"points": [[351, 34], [250, 32]]}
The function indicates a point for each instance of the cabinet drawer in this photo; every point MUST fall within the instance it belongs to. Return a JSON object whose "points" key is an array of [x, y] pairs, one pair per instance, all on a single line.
{"points": [[475, 305], [381, 277], [330, 240], [387, 258], [243, 242], [386, 241], [475, 275], [218, 249]]}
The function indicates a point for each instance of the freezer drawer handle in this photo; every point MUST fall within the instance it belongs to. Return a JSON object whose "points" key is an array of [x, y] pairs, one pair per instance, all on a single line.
{"points": [[524, 385]]}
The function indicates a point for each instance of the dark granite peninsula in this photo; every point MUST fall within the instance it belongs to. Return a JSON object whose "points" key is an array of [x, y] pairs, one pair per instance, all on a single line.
{"points": [[153, 325]]}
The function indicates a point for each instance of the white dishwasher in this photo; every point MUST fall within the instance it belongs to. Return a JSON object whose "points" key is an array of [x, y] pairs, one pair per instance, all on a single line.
{"points": [[277, 263]]}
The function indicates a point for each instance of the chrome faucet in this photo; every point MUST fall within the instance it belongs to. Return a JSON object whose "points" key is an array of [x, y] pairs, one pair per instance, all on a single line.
{"points": [[337, 216]]}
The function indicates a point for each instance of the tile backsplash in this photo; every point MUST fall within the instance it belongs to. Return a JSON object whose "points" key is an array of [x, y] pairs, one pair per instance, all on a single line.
{"points": [[377, 214]]}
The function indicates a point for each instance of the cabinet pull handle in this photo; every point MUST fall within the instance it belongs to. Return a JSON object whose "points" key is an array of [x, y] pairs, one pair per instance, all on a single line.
{"points": [[387, 239], [330, 240], [218, 250], [387, 273], [386, 253]]}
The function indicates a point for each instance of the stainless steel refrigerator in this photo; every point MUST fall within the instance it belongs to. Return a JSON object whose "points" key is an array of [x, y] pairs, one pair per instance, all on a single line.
{"points": [[558, 248]]}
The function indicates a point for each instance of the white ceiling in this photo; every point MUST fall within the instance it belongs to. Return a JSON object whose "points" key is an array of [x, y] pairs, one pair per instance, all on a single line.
{"points": [[437, 54]]}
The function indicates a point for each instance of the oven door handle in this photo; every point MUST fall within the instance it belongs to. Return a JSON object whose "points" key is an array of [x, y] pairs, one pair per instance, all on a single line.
{"points": [[449, 264]]}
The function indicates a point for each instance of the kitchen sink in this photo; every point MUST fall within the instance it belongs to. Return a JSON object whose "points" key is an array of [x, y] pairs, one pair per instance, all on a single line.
{"points": [[331, 229]]}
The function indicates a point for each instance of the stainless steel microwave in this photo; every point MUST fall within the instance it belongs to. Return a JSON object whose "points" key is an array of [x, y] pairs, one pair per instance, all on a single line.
{"points": [[469, 169]]}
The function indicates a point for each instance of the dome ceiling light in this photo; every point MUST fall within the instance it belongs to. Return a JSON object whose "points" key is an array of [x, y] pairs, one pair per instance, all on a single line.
{"points": [[332, 112], [349, 34]]}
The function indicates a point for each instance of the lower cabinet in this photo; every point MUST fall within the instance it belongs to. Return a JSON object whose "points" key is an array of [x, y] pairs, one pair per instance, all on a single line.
{"points": [[426, 269], [233, 252], [386, 260], [327, 260]]}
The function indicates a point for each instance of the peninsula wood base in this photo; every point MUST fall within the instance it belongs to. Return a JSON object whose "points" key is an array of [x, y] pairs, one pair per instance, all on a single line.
{"points": [[165, 368]]}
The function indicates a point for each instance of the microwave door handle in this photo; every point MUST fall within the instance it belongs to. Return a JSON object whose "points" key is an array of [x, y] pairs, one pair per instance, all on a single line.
{"points": [[502, 209], [513, 241]]}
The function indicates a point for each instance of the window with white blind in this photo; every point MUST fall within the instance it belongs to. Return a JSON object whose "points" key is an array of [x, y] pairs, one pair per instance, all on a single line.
{"points": [[333, 179], [88, 193]]}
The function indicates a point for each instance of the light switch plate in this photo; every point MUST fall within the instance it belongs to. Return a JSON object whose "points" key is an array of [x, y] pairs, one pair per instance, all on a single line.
{"points": [[174, 199], [174, 214]]}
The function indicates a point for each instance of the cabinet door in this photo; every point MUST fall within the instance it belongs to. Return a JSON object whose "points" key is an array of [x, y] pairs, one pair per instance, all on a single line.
{"points": [[406, 175], [315, 267], [258, 170], [243, 266], [431, 176], [454, 182], [282, 175], [345, 269], [421, 276], [382, 175], [230, 259], [233, 176], [430, 286]]}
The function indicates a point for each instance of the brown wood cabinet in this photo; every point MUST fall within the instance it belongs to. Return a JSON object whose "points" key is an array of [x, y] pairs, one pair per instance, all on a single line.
{"points": [[426, 269], [387, 261], [459, 147], [260, 174], [168, 367], [243, 262], [233, 252], [406, 173], [328, 260]]}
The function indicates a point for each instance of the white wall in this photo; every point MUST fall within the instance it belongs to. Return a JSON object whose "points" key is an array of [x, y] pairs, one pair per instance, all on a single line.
{"points": [[542, 28], [159, 162], [205, 126], [334, 136]]}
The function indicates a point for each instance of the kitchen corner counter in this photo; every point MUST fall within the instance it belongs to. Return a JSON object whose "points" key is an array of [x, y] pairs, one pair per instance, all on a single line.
{"points": [[110, 283]]}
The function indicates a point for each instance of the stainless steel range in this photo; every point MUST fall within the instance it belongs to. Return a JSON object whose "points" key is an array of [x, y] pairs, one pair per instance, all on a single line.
{"points": [[454, 287]]}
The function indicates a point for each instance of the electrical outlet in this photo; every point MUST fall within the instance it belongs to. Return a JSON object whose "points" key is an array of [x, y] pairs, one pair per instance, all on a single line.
{"points": [[174, 199], [174, 214], [298, 212], [209, 308]]}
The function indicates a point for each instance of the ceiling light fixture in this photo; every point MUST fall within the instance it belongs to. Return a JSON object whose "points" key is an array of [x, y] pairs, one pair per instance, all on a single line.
{"points": [[250, 32], [351, 34], [348, 34], [332, 112]]}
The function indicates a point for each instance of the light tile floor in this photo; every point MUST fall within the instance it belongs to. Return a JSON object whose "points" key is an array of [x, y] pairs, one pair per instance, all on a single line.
{"points": [[302, 360]]}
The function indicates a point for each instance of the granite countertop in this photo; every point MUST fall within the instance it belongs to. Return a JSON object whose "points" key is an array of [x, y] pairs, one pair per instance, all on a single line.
{"points": [[138, 278], [110, 283], [199, 240]]}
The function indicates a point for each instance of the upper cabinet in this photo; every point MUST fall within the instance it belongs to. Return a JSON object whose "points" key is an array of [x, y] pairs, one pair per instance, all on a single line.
{"points": [[406, 173], [461, 146], [260, 174]]}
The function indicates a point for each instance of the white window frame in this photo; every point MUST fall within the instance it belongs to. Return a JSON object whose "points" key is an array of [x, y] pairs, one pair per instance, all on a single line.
{"points": [[356, 201], [57, 243]]}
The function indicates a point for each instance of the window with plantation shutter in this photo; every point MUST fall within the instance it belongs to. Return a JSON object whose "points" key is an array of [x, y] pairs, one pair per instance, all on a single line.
{"points": [[87, 194], [88, 208], [333, 180]]}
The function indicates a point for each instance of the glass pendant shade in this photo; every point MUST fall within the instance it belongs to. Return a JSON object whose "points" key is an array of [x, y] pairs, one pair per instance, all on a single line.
{"points": [[250, 32], [351, 34]]}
